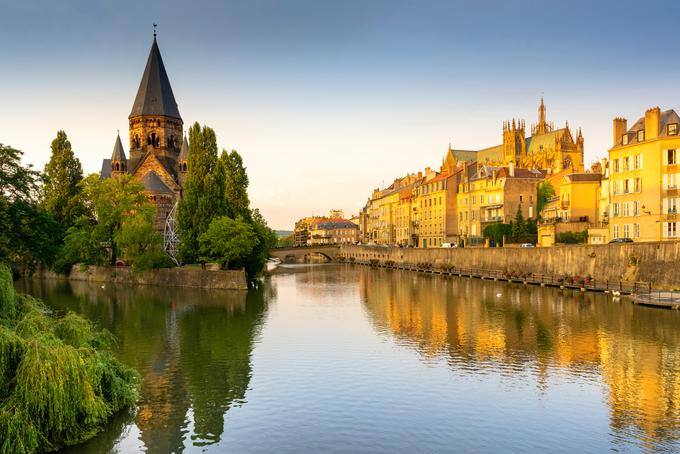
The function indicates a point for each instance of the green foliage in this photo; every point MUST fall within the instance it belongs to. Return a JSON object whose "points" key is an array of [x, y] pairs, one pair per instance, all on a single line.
{"points": [[60, 383], [497, 232], [228, 242], [519, 226], [113, 203], [236, 184], [203, 195], [28, 235], [7, 293], [217, 188], [286, 241], [573, 237], [61, 192], [141, 244], [545, 191]]}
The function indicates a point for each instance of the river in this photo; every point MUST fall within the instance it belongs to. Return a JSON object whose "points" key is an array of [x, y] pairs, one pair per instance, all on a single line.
{"points": [[346, 358]]}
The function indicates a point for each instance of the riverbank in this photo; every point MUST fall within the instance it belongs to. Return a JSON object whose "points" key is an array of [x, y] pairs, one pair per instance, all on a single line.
{"points": [[164, 277], [624, 265]]}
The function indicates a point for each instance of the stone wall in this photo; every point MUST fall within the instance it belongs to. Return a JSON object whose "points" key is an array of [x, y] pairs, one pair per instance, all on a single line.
{"points": [[167, 277], [656, 262]]}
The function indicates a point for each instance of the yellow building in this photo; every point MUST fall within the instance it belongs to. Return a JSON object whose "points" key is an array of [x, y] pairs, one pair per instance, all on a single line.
{"points": [[489, 195], [333, 231], [644, 173], [576, 199]]}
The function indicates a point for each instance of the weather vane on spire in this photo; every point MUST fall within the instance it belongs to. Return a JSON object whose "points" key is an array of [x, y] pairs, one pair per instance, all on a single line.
{"points": [[154, 29]]}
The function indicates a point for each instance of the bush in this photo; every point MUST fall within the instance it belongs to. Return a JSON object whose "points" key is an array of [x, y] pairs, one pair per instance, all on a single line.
{"points": [[59, 382], [573, 237]]}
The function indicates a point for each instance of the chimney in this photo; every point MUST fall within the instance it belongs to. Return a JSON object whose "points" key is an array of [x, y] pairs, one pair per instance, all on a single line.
{"points": [[652, 123], [511, 168], [620, 128]]}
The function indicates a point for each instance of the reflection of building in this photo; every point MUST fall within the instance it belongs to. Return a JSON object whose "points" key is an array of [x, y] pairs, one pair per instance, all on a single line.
{"points": [[538, 331], [644, 177], [158, 153]]}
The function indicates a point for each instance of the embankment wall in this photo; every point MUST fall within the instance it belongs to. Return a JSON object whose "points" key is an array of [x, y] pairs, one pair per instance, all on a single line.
{"points": [[166, 277], [657, 262]]}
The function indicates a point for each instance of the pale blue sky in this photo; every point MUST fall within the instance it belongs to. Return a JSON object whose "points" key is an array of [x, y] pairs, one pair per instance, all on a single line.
{"points": [[327, 100]]}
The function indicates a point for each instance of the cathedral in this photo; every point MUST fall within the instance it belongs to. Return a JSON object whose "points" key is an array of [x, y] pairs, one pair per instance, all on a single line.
{"points": [[158, 151], [547, 148]]}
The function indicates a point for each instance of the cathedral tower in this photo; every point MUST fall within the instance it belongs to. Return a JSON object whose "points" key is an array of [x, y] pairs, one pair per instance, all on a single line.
{"points": [[155, 123], [118, 159]]}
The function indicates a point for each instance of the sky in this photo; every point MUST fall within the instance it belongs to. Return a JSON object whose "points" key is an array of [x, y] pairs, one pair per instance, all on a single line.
{"points": [[327, 100]]}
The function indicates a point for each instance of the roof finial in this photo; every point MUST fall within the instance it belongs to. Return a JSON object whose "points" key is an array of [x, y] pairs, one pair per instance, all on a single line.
{"points": [[154, 31], [118, 132]]}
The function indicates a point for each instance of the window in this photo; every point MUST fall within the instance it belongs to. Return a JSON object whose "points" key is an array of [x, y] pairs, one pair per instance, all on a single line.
{"points": [[670, 206], [636, 162], [638, 185], [626, 230], [626, 163], [626, 210], [626, 186], [481, 199], [616, 231], [616, 210], [641, 135], [672, 129], [671, 157], [636, 208], [670, 229], [521, 198], [636, 232], [624, 140]]}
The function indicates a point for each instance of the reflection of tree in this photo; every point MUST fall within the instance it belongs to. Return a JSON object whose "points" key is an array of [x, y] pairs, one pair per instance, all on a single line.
{"points": [[216, 343], [192, 348], [634, 349]]}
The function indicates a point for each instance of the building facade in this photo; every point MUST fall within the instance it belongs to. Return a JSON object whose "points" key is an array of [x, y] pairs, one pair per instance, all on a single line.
{"points": [[644, 173], [333, 231]]}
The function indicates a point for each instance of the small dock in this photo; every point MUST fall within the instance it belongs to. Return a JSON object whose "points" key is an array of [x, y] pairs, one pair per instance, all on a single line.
{"points": [[662, 299]]}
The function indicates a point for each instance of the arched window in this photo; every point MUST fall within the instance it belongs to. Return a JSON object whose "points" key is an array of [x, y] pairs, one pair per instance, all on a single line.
{"points": [[184, 167], [153, 139], [117, 167]]}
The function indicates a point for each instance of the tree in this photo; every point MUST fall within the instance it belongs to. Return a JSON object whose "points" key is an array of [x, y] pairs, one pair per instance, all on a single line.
{"points": [[61, 192], [266, 241], [141, 244], [203, 197], [227, 241], [545, 191], [497, 232], [111, 203], [27, 233], [236, 187], [519, 226]]}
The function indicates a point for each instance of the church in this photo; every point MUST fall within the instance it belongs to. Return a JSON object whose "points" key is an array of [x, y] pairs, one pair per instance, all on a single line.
{"points": [[158, 149], [549, 149]]}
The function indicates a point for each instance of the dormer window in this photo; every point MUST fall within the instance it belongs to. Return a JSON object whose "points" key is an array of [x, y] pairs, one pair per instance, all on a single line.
{"points": [[641, 135], [624, 139], [672, 129]]}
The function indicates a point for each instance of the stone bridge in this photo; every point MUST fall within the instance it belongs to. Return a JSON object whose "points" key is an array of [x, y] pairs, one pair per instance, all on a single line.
{"points": [[302, 254]]}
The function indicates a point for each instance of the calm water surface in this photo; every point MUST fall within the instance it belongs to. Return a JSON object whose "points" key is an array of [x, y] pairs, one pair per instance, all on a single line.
{"points": [[341, 358]]}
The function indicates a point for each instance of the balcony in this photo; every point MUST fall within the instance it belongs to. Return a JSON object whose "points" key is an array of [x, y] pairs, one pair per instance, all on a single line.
{"points": [[672, 190], [565, 204], [491, 219]]}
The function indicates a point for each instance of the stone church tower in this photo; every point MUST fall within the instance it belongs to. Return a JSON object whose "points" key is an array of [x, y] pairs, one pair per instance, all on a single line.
{"points": [[158, 154]]}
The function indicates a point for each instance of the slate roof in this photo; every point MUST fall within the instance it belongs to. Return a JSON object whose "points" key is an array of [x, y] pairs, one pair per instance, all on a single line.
{"points": [[540, 142], [154, 96], [184, 152], [583, 177], [118, 152], [665, 118], [153, 183], [106, 169]]}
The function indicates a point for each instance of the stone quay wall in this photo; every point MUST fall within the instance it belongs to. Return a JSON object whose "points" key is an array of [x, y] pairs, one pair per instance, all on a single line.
{"points": [[165, 277], [657, 263]]}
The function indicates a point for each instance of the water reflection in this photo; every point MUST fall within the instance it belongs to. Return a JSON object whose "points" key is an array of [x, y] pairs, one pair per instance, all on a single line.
{"points": [[192, 348], [482, 327]]}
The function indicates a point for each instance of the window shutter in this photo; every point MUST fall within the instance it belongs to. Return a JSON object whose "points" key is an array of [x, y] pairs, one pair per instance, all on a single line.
{"points": [[642, 155], [665, 206], [665, 230], [664, 157], [664, 180]]}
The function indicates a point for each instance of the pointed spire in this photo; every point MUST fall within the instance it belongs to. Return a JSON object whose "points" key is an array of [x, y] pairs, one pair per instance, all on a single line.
{"points": [[184, 152], [154, 96], [118, 152], [542, 127]]}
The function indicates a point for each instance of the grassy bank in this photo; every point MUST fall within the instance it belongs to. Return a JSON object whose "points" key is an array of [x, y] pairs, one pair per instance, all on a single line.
{"points": [[59, 383]]}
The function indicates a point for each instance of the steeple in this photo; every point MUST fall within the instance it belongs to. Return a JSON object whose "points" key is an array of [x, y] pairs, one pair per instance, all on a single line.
{"points": [[542, 128], [154, 96], [118, 159], [183, 159]]}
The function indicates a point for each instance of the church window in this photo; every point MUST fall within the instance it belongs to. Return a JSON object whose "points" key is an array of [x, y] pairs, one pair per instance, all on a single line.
{"points": [[641, 135], [672, 129], [117, 167]]}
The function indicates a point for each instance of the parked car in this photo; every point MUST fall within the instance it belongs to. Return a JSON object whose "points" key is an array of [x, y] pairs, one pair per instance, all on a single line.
{"points": [[527, 245], [621, 240], [449, 245]]}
